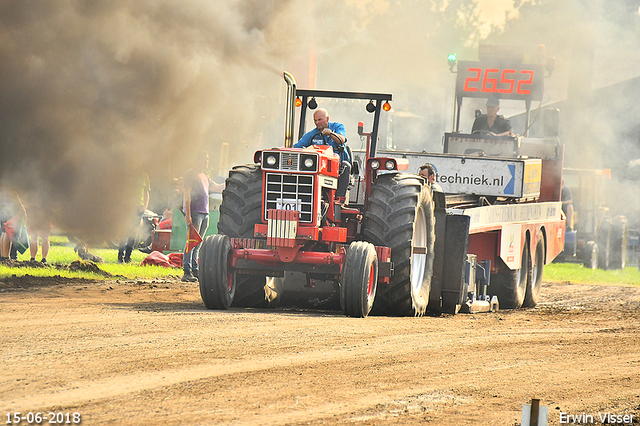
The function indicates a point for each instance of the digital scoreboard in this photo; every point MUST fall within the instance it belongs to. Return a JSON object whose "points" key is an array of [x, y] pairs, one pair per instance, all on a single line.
{"points": [[501, 80]]}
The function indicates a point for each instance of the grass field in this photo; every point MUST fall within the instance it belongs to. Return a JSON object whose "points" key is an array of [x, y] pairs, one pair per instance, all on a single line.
{"points": [[575, 273], [62, 254]]}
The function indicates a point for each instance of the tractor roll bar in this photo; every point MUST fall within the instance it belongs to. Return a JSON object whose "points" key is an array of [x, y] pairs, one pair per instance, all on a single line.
{"points": [[376, 98]]}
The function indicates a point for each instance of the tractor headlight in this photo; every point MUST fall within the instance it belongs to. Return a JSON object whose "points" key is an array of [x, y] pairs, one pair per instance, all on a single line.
{"points": [[375, 164], [271, 160], [390, 165], [308, 162]]}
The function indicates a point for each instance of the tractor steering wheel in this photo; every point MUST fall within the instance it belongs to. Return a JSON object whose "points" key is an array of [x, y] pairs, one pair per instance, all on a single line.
{"points": [[485, 132]]}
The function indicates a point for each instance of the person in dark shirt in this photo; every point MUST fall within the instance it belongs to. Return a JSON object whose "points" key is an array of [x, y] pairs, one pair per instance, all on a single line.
{"points": [[428, 171], [491, 122], [126, 245], [196, 189]]}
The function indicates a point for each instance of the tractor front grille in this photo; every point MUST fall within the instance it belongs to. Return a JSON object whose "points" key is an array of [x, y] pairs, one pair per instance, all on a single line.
{"points": [[290, 192], [289, 161]]}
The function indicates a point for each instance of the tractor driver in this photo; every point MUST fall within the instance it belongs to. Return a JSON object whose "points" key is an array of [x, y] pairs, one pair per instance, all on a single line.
{"points": [[491, 122], [333, 134]]}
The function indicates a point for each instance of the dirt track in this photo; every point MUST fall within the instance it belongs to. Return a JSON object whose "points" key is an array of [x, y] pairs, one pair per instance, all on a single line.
{"points": [[139, 353]]}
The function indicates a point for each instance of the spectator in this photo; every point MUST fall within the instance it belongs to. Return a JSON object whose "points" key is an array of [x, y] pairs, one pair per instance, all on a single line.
{"points": [[11, 207], [39, 216], [126, 247], [196, 189], [429, 172], [567, 204]]}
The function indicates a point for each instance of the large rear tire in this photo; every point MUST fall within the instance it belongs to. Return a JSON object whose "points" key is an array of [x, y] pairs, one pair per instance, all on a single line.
{"points": [[511, 285], [534, 285], [217, 281], [400, 215], [618, 238], [240, 210], [359, 279]]}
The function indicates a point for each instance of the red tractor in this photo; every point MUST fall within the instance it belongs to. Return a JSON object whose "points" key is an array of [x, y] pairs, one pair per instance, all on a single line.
{"points": [[279, 215]]}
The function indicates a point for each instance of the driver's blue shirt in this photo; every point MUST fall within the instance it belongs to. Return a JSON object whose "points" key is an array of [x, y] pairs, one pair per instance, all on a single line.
{"points": [[314, 137]]}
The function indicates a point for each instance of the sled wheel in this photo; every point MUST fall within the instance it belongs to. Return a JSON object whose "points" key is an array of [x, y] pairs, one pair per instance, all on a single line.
{"points": [[511, 285], [217, 281], [590, 256], [359, 279], [618, 238], [240, 210], [532, 296], [400, 215]]}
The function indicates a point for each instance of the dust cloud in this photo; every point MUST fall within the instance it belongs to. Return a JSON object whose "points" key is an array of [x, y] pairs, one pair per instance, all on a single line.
{"points": [[93, 94]]}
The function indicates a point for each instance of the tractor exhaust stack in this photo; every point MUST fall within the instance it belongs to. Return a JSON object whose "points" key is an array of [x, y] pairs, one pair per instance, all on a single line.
{"points": [[289, 110]]}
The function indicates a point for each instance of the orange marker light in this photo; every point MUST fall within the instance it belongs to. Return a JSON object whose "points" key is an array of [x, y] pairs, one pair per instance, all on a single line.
{"points": [[386, 106], [298, 102]]}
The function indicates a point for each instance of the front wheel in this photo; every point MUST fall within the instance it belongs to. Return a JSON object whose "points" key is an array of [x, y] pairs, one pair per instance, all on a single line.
{"points": [[240, 210], [217, 281], [359, 279]]}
